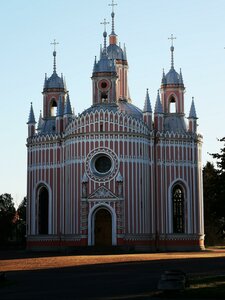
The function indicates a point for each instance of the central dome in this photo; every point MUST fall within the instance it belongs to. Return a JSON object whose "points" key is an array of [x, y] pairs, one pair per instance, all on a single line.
{"points": [[130, 109]]}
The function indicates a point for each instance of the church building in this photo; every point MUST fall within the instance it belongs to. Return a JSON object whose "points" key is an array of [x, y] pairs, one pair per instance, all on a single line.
{"points": [[114, 175]]}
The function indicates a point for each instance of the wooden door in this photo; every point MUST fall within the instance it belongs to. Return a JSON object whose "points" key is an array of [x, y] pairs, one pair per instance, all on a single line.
{"points": [[103, 228]]}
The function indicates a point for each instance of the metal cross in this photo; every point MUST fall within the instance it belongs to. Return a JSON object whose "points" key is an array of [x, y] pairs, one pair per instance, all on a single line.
{"points": [[172, 38], [54, 43], [113, 4], [104, 23]]}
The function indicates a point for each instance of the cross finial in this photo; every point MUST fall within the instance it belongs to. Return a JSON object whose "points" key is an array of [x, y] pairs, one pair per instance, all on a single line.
{"points": [[172, 38], [104, 34], [104, 23], [54, 54], [54, 43], [113, 16], [172, 49], [113, 4]]}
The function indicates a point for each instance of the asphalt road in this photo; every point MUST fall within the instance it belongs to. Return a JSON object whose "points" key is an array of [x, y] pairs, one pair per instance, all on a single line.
{"points": [[134, 280]]}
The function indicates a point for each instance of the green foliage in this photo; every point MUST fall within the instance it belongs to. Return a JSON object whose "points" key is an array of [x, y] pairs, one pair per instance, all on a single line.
{"points": [[7, 214], [214, 198], [22, 209], [21, 221], [220, 157]]}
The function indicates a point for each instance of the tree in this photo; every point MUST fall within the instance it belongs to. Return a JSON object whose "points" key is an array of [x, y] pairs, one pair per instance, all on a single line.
{"points": [[210, 184], [21, 221], [22, 209], [217, 206], [7, 214]]}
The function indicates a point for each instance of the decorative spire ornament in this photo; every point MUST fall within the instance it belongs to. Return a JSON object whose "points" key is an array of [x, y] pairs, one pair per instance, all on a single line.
{"points": [[113, 16], [54, 55], [104, 35], [172, 50]]}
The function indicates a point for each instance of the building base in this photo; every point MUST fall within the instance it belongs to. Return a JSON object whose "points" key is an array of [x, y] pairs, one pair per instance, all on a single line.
{"points": [[161, 243]]}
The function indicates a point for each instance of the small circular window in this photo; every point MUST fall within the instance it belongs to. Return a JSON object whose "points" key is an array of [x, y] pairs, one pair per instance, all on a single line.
{"points": [[103, 85], [103, 164]]}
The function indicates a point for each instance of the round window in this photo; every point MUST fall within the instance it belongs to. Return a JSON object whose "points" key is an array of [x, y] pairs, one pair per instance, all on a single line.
{"points": [[103, 85], [103, 164]]}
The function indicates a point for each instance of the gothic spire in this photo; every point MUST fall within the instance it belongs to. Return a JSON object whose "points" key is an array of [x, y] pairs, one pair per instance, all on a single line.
{"points": [[68, 109], [40, 121], [59, 107], [158, 105], [31, 119], [147, 105], [163, 77], [192, 113], [95, 64], [181, 78], [124, 52]]}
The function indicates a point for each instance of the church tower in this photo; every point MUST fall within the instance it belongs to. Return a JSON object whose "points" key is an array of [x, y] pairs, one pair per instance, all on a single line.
{"points": [[115, 52], [172, 89], [54, 88], [104, 77]]}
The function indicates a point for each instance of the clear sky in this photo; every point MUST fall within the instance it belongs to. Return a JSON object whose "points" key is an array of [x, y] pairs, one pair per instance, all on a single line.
{"points": [[27, 27]]}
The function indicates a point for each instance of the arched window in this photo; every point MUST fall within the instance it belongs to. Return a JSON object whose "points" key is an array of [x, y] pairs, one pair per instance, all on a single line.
{"points": [[53, 108], [178, 209], [172, 105], [43, 200]]}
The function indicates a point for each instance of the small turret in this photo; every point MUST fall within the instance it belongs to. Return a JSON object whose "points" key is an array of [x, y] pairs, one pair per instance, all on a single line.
{"points": [[59, 115], [147, 111], [31, 122], [40, 122], [67, 112], [192, 118], [68, 109], [158, 114]]}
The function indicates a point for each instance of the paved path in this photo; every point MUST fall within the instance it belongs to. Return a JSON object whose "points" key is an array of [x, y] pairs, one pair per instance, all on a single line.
{"points": [[107, 277]]}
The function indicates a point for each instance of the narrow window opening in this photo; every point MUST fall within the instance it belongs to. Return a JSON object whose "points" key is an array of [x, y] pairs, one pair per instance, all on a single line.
{"points": [[172, 105], [178, 209], [53, 108], [104, 97], [43, 211]]}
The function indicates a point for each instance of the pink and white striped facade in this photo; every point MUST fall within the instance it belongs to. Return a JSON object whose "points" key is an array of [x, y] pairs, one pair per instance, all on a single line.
{"points": [[150, 156]]}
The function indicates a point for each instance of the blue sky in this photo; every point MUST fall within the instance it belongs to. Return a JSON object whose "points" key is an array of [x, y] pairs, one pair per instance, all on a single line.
{"points": [[27, 27]]}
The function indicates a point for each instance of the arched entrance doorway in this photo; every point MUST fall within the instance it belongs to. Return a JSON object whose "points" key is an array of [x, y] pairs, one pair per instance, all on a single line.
{"points": [[43, 210], [103, 228]]}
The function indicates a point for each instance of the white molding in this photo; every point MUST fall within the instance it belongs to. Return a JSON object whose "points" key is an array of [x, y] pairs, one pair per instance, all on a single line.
{"points": [[36, 207], [91, 222], [187, 211]]}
